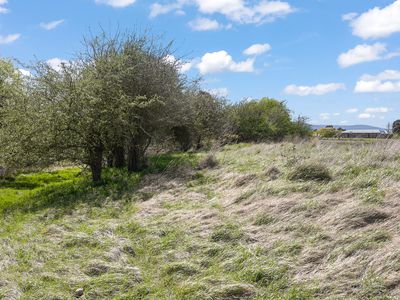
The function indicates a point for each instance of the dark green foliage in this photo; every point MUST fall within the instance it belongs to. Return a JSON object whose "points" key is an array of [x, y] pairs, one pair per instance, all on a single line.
{"points": [[396, 127], [310, 172], [266, 120], [183, 137]]}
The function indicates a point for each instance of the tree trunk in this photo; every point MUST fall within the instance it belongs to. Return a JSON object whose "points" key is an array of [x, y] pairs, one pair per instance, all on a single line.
{"points": [[119, 157], [96, 163], [135, 159], [199, 143], [110, 160]]}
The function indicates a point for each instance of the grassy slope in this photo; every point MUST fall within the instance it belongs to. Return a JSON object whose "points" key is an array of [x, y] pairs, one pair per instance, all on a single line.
{"points": [[242, 230]]}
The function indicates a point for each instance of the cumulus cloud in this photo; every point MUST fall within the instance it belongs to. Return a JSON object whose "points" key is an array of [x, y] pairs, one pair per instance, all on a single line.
{"points": [[219, 92], [257, 49], [385, 82], [57, 63], [365, 116], [8, 39], [204, 24], [182, 66], [116, 3], [352, 110], [377, 22], [370, 112], [25, 73], [3, 10], [157, 9], [235, 10], [365, 53], [319, 89], [349, 16], [221, 61], [51, 25], [377, 110]]}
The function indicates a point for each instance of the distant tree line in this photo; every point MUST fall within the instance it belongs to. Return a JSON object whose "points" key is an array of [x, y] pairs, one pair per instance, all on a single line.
{"points": [[119, 96]]}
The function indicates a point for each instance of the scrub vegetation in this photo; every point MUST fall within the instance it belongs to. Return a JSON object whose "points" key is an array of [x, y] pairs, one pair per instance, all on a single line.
{"points": [[178, 231]]}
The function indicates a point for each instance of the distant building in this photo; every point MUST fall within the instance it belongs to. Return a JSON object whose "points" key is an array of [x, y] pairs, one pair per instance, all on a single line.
{"points": [[365, 134]]}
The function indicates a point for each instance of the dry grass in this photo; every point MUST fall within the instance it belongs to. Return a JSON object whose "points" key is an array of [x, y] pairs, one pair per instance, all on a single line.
{"points": [[239, 231]]}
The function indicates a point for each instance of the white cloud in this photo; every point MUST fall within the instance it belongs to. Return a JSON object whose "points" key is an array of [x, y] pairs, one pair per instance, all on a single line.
{"points": [[51, 25], [183, 66], [157, 9], [57, 63], [7, 39], [257, 49], [220, 92], [3, 10], [364, 53], [385, 82], [204, 24], [385, 75], [349, 16], [221, 61], [377, 110], [25, 73], [235, 10], [319, 89], [186, 67], [116, 3], [377, 22], [352, 110], [324, 116], [365, 116]]}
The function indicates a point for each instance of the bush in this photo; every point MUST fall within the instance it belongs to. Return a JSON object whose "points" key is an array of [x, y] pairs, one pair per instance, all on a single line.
{"points": [[263, 120], [328, 132], [310, 172]]}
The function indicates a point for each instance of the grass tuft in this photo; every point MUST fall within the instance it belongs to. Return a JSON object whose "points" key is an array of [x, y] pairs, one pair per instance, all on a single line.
{"points": [[310, 172]]}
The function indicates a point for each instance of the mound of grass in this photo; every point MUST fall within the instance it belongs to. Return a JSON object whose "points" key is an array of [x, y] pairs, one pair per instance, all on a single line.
{"points": [[181, 268], [209, 162], [264, 219], [310, 172], [227, 233]]}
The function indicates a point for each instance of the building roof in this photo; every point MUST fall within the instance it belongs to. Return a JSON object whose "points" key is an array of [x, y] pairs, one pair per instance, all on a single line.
{"points": [[364, 131]]}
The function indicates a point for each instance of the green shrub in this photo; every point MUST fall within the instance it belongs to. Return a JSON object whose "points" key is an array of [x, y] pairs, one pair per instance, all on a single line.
{"points": [[310, 172], [327, 132]]}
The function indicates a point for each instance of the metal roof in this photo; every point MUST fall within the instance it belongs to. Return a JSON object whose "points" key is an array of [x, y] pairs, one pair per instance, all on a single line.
{"points": [[364, 131]]}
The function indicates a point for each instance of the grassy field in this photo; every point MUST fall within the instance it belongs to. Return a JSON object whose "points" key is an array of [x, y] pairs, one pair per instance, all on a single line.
{"points": [[314, 220]]}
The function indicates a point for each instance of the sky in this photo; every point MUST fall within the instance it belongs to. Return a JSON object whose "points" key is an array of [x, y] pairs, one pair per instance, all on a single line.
{"points": [[335, 62]]}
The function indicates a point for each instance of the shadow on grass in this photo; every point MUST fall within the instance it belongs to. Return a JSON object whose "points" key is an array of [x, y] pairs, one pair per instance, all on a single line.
{"points": [[65, 189], [65, 195]]}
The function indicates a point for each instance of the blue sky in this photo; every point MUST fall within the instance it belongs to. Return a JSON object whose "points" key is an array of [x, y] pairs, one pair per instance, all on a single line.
{"points": [[336, 62]]}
